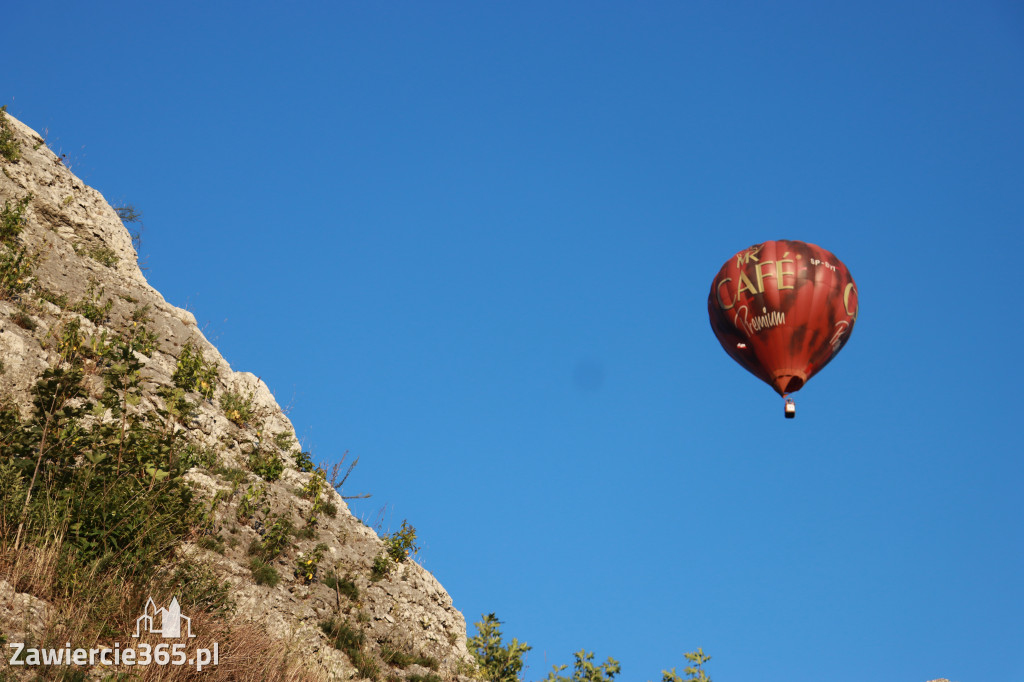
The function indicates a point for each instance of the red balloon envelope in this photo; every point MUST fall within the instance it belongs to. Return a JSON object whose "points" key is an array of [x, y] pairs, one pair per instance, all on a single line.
{"points": [[783, 309]]}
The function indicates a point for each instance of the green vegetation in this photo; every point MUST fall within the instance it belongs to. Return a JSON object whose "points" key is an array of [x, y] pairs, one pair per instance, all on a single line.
{"points": [[237, 408], [501, 662], [193, 372], [12, 219], [266, 464], [198, 455], [400, 543], [315, 490], [381, 567], [303, 461], [306, 565], [250, 503], [16, 262], [103, 255], [198, 587], [10, 147], [90, 308], [283, 441], [584, 669], [214, 543], [275, 540], [403, 658], [397, 547], [44, 294], [345, 586], [111, 487], [498, 662], [694, 672], [344, 637], [263, 573]]}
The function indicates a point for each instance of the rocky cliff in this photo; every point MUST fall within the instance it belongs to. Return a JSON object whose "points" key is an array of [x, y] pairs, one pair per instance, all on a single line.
{"points": [[346, 604]]}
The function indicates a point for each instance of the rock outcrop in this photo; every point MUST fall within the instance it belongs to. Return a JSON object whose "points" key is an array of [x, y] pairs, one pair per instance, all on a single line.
{"points": [[85, 257]]}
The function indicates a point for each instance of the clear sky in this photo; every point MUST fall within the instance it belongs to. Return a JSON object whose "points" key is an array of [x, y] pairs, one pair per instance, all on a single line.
{"points": [[471, 243]]}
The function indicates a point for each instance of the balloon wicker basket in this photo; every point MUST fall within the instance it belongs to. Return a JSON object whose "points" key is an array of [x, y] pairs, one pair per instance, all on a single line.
{"points": [[790, 408]]}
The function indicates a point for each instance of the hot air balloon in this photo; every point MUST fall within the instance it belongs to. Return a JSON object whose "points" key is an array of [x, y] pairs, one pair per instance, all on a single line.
{"points": [[783, 309]]}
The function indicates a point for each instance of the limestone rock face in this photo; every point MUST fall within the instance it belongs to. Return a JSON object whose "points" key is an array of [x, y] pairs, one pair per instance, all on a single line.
{"points": [[86, 253]]}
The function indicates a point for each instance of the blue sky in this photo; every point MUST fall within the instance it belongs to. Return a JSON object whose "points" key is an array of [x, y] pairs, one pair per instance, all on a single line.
{"points": [[471, 244]]}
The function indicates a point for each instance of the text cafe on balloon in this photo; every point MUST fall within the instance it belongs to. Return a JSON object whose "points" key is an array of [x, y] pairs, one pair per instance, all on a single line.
{"points": [[783, 309]]}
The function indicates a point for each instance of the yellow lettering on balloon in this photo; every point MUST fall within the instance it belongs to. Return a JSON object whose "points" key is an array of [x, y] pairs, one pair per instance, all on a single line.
{"points": [[846, 301], [781, 273], [761, 275], [745, 284], [718, 294]]}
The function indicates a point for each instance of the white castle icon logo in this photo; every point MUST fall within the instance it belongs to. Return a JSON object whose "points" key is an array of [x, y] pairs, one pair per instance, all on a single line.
{"points": [[170, 620]]}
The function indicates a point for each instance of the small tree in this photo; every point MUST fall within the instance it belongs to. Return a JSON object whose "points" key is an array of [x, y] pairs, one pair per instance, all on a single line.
{"points": [[498, 662], [694, 673], [584, 669]]}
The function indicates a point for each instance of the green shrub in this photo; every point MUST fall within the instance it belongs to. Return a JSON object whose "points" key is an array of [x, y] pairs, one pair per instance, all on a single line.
{"points": [[584, 669], [694, 672], [214, 543], [381, 567], [59, 300], [103, 255], [283, 441], [306, 565], [266, 464], [89, 307], [350, 640], [112, 484], [141, 338], [345, 586], [275, 540], [307, 532], [237, 408], [198, 587], [499, 662], [316, 490], [231, 474], [193, 373], [13, 486], [403, 658], [12, 219], [343, 636], [10, 147], [303, 461], [250, 503], [16, 262], [196, 455], [400, 543], [263, 573]]}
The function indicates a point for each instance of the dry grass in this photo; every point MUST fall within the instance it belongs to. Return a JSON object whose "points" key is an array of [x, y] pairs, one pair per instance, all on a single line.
{"points": [[104, 611]]}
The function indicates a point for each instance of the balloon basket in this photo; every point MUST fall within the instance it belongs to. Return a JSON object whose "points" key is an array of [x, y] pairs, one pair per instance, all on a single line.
{"points": [[790, 409]]}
